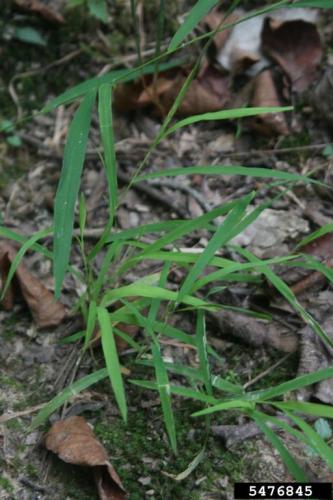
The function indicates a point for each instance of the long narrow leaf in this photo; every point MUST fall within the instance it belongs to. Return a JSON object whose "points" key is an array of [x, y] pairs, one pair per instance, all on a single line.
{"points": [[264, 173], [107, 135], [111, 360], [113, 77], [292, 385], [201, 341], [318, 410], [225, 405], [317, 4], [66, 394], [186, 227], [30, 243], [163, 386], [196, 14], [221, 236], [290, 462], [68, 187], [288, 294], [316, 441], [178, 390], [154, 292], [228, 114]]}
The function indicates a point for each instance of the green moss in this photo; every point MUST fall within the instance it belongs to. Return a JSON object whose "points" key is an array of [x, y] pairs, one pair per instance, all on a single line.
{"points": [[6, 485], [78, 482], [140, 449]]}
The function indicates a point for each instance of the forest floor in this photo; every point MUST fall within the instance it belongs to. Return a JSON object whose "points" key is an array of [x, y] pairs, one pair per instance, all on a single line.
{"points": [[36, 365]]}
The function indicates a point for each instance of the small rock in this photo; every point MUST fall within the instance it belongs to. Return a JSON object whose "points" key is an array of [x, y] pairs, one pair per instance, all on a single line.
{"points": [[144, 480]]}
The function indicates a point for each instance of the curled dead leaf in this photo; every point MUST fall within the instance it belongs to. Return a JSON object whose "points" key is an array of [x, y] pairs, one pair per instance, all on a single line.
{"points": [[208, 92], [45, 310], [296, 46], [265, 95], [217, 19], [73, 440]]}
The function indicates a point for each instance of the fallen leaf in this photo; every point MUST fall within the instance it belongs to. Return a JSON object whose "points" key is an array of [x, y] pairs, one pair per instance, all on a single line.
{"points": [[296, 46], [208, 92], [265, 94], [73, 440], [45, 310], [217, 19], [40, 8], [242, 51]]}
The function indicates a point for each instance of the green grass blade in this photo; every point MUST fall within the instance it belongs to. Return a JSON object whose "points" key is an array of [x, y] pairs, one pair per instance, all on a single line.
{"points": [[66, 394], [186, 227], [225, 405], [190, 468], [68, 187], [222, 274], [159, 327], [228, 114], [291, 385], [72, 338], [91, 321], [161, 373], [178, 390], [316, 441], [138, 232], [128, 339], [196, 14], [28, 244], [327, 228], [143, 290], [224, 385], [221, 236], [201, 342], [163, 386], [288, 294], [286, 427], [102, 275], [12, 235], [317, 4], [292, 465], [263, 173], [179, 369], [107, 136], [111, 360], [318, 410], [113, 77]]}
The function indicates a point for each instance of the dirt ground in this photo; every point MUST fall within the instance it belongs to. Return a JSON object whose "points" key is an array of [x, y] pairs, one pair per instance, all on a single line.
{"points": [[36, 365]]}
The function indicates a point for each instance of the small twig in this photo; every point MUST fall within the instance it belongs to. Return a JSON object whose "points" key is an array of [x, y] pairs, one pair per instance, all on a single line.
{"points": [[266, 372], [34, 486], [205, 205], [10, 416], [154, 194]]}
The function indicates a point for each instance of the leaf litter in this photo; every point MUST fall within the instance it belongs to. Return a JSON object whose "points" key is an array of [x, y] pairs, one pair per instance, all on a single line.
{"points": [[220, 83], [74, 442]]}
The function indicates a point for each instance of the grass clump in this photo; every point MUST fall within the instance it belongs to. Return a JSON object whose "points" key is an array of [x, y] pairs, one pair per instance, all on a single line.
{"points": [[150, 302]]}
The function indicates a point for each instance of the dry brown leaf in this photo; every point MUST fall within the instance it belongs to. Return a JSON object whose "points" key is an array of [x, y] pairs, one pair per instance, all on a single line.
{"points": [[296, 46], [74, 442], [209, 92], [216, 19], [265, 94], [45, 310], [40, 8], [152, 92]]}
